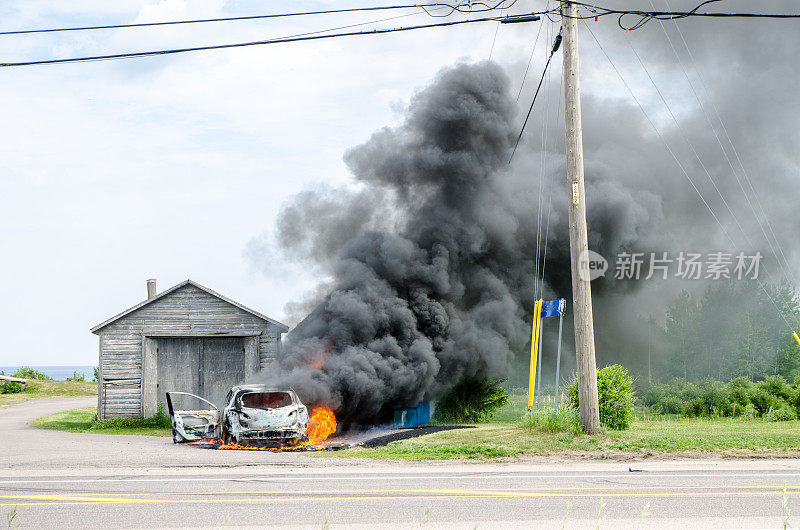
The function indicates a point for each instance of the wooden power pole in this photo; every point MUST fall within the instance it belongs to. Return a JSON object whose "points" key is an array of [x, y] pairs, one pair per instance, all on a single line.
{"points": [[578, 238]]}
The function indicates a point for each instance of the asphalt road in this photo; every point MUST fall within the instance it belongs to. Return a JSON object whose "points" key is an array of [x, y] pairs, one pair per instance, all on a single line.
{"points": [[59, 479]]}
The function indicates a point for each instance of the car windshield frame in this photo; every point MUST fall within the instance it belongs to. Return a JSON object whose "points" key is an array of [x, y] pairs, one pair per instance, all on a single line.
{"points": [[288, 402]]}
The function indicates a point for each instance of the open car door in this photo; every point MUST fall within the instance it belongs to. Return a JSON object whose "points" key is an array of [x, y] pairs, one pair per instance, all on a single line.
{"points": [[195, 423]]}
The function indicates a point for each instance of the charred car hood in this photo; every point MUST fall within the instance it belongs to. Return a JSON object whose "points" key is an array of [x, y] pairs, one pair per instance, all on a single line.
{"points": [[280, 418]]}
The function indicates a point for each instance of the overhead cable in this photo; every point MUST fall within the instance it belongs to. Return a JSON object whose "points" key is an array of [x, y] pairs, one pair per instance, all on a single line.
{"points": [[302, 37], [457, 7], [556, 45]]}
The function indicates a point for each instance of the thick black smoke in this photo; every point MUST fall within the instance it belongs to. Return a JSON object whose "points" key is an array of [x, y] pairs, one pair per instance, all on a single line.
{"points": [[443, 291], [432, 259], [431, 300]]}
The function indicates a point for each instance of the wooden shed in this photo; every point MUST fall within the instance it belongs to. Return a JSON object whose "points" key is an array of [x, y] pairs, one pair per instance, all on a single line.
{"points": [[187, 338]]}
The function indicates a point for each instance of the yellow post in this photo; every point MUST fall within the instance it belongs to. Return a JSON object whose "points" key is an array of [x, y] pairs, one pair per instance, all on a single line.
{"points": [[796, 337], [537, 319]]}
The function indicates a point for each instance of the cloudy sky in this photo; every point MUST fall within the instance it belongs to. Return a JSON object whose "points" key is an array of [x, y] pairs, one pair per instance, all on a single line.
{"points": [[176, 167]]}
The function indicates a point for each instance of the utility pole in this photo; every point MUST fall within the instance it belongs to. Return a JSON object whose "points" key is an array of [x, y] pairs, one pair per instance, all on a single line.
{"points": [[578, 238], [649, 347]]}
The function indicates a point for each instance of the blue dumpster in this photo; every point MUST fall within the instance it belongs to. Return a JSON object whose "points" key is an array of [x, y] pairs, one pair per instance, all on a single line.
{"points": [[414, 416]]}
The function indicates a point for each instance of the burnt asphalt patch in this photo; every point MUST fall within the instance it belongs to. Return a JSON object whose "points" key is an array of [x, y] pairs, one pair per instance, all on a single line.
{"points": [[405, 434]]}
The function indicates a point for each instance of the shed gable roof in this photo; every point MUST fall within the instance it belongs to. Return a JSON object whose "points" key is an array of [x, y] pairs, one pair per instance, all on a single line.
{"points": [[283, 327]]}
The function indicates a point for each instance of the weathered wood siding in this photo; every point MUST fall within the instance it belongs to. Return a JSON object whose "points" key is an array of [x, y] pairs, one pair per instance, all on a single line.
{"points": [[185, 311]]}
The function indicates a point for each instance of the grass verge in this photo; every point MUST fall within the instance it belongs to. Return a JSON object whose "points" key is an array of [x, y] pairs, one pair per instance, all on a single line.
{"points": [[430, 450], [50, 389], [82, 420], [646, 438]]}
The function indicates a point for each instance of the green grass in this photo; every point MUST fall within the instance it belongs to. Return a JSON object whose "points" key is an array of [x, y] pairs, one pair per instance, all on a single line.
{"points": [[566, 420], [433, 451], [82, 420], [513, 410], [513, 433], [659, 436], [719, 435], [50, 389]]}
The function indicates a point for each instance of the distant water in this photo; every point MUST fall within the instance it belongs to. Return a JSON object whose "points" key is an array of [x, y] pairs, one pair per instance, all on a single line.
{"points": [[59, 373]]}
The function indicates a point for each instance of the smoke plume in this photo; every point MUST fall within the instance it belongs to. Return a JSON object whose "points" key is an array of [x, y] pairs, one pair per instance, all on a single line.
{"points": [[432, 260]]}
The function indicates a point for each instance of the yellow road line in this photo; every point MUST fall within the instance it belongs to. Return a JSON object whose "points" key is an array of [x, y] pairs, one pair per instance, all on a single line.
{"points": [[487, 490], [444, 490], [434, 494]]}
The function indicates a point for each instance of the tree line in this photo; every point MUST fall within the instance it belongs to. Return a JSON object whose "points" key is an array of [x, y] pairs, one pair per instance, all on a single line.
{"points": [[732, 329]]}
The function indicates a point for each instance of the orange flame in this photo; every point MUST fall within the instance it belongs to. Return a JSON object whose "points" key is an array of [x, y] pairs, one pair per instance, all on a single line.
{"points": [[233, 446], [321, 425]]}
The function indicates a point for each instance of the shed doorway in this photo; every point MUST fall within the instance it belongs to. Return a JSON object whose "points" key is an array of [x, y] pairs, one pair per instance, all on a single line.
{"points": [[207, 366]]}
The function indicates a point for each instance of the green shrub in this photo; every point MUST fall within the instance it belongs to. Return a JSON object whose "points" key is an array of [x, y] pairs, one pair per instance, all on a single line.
{"points": [[615, 396], [669, 405], [709, 397], [794, 398], [26, 372], [687, 392], [10, 387], [470, 401], [762, 400], [566, 419], [739, 390], [77, 377], [96, 374], [749, 411], [784, 412], [716, 397], [694, 408], [777, 386], [654, 395]]}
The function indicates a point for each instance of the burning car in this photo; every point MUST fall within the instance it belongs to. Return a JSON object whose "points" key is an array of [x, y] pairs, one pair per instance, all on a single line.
{"points": [[253, 414]]}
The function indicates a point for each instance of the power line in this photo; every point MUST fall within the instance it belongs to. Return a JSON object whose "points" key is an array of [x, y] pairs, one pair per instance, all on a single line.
{"points": [[556, 45], [494, 39], [541, 183], [458, 7], [646, 16], [294, 38], [530, 60], [461, 7], [552, 185], [541, 246], [543, 162], [470, 5]]}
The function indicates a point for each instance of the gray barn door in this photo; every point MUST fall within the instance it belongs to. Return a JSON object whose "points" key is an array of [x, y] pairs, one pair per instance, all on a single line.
{"points": [[223, 367], [208, 367]]}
